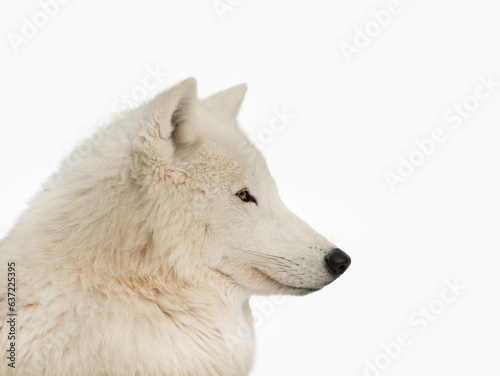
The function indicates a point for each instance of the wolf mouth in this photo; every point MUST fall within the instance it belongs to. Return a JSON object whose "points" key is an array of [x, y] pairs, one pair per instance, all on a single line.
{"points": [[282, 285], [270, 279]]}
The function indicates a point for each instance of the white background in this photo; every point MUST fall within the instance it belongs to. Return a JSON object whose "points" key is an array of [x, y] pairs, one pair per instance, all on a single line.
{"points": [[353, 121]]}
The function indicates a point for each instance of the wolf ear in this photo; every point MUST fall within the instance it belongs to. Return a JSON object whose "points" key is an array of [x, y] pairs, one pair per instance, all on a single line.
{"points": [[227, 102], [172, 111], [166, 124]]}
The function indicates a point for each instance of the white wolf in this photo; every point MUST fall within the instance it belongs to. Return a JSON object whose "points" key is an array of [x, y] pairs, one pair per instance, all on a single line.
{"points": [[140, 258]]}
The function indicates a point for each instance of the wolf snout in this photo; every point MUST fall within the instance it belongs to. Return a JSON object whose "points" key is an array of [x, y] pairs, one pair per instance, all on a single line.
{"points": [[337, 262]]}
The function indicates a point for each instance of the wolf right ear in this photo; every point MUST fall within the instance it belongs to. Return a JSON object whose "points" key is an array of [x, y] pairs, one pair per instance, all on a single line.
{"points": [[227, 102]]}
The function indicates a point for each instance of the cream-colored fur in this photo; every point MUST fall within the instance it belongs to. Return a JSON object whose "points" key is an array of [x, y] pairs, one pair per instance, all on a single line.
{"points": [[139, 258]]}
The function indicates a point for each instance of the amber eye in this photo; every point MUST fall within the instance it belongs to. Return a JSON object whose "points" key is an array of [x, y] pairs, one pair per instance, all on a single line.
{"points": [[245, 196]]}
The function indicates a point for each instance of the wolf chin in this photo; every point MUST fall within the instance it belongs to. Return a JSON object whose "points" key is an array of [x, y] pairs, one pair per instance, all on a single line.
{"points": [[140, 258]]}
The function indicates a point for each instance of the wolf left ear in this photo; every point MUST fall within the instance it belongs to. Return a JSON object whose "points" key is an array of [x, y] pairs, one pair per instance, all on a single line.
{"points": [[227, 102], [173, 110], [168, 114], [165, 122]]}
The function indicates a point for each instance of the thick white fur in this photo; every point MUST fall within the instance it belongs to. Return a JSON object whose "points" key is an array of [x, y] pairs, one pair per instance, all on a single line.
{"points": [[139, 259]]}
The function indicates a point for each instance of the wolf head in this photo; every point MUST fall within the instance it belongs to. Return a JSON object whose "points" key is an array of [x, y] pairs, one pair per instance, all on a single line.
{"points": [[215, 206]]}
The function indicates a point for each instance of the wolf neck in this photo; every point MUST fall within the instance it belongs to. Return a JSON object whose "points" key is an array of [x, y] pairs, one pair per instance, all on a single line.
{"points": [[219, 322]]}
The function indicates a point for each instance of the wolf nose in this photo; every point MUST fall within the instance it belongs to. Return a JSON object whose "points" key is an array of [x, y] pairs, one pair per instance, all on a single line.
{"points": [[337, 261]]}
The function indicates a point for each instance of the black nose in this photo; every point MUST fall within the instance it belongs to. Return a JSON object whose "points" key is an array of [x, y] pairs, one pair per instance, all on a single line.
{"points": [[337, 261]]}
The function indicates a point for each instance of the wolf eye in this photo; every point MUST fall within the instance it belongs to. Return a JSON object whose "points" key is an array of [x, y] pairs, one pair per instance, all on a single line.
{"points": [[245, 196]]}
